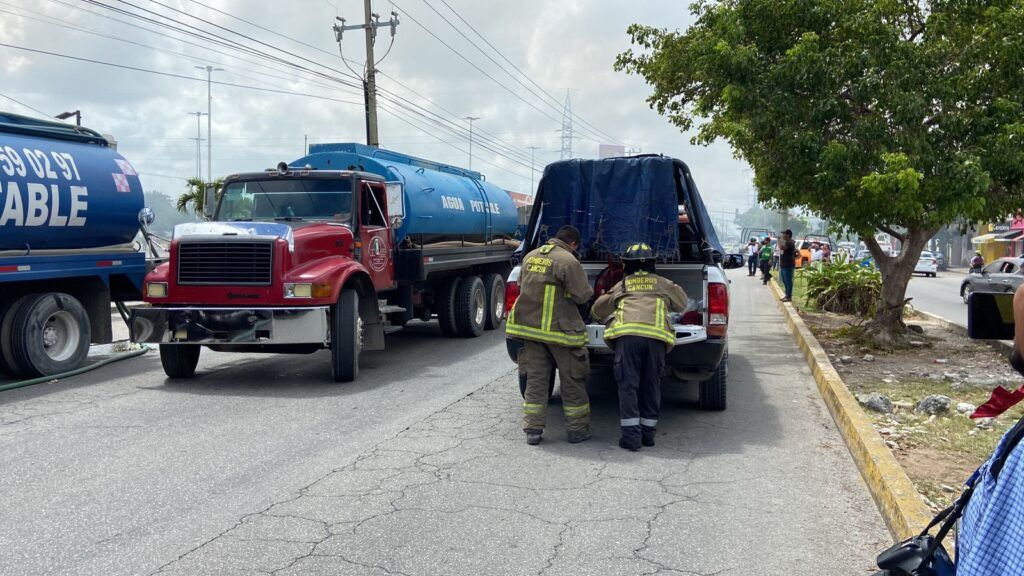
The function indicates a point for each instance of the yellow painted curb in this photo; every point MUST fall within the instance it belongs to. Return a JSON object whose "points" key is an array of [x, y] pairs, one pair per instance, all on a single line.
{"points": [[901, 506]]}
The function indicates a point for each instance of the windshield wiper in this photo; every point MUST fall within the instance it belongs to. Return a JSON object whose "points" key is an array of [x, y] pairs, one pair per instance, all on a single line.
{"points": [[288, 219], [242, 220]]}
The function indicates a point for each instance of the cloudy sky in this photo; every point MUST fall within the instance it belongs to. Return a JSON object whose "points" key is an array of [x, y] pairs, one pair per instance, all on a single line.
{"points": [[288, 50]]}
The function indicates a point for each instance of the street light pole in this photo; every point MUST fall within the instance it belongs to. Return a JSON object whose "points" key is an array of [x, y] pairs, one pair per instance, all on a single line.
{"points": [[471, 119], [199, 139], [209, 120]]}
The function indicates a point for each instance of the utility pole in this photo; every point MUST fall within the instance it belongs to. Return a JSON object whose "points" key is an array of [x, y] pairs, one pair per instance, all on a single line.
{"points": [[533, 150], [199, 139], [371, 24], [305, 145], [471, 119], [209, 120]]}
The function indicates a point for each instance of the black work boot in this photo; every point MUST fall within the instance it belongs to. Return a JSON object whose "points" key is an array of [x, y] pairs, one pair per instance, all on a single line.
{"points": [[533, 436], [577, 436], [630, 439], [647, 435]]}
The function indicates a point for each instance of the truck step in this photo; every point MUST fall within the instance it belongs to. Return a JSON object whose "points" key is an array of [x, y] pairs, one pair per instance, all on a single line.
{"points": [[389, 308], [388, 329]]}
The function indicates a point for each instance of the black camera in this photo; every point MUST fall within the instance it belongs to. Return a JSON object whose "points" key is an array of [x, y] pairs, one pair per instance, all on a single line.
{"points": [[917, 556], [990, 316]]}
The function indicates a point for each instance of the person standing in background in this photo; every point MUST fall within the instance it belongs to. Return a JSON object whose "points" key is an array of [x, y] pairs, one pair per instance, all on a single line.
{"points": [[787, 263], [752, 252], [766, 260]]}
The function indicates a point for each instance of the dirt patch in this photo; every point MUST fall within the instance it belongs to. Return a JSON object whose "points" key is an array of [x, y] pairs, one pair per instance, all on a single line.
{"points": [[940, 451]]}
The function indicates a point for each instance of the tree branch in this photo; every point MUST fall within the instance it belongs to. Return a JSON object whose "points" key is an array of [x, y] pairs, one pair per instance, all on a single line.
{"points": [[888, 230]]}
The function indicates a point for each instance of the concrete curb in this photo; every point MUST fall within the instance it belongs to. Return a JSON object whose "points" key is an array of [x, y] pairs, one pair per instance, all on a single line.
{"points": [[901, 506]]}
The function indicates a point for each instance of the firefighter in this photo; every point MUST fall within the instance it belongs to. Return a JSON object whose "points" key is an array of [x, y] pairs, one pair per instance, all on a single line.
{"points": [[638, 328], [547, 318]]}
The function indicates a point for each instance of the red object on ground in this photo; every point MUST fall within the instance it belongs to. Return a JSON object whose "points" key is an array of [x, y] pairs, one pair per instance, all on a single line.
{"points": [[1000, 401]]}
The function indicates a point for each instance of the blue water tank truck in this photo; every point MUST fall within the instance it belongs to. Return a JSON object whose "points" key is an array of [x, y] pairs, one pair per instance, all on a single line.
{"points": [[69, 214], [333, 250]]}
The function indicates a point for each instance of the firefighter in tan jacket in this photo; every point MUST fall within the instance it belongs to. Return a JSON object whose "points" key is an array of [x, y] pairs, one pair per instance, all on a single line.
{"points": [[547, 318], [636, 311]]}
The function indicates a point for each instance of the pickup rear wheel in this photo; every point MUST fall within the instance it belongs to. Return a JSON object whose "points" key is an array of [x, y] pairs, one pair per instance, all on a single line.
{"points": [[179, 360], [445, 301], [494, 287], [50, 334], [712, 391], [470, 307], [345, 337]]}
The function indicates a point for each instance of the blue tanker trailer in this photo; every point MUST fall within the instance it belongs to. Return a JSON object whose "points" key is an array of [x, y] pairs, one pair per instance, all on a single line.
{"points": [[69, 209], [333, 250]]}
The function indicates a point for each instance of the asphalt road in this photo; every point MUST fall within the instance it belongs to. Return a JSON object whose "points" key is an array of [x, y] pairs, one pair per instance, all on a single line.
{"points": [[261, 465], [939, 295]]}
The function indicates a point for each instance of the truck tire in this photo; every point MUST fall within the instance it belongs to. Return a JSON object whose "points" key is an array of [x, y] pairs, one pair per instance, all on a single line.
{"points": [[49, 334], [6, 368], [345, 337], [494, 287], [470, 307], [446, 305], [551, 384], [712, 390], [179, 360]]}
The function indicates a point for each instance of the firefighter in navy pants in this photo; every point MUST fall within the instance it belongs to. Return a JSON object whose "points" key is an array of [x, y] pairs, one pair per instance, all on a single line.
{"points": [[638, 328]]}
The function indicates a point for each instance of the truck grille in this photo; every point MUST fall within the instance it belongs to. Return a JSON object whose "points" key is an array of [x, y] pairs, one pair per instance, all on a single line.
{"points": [[232, 262]]}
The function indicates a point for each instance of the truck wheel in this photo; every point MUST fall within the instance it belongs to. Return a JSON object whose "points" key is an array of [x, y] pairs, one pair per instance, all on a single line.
{"points": [[494, 287], [446, 305], [551, 384], [470, 307], [712, 391], [345, 337], [6, 367], [50, 334], [179, 360]]}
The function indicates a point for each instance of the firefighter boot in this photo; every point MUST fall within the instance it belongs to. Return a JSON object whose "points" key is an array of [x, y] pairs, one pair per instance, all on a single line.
{"points": [[647, 435], [577, 436], [533, 436], [630, 439]]}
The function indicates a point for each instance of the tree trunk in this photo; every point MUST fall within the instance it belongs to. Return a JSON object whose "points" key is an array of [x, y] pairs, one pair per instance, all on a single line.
{"points": [[887, 327]]}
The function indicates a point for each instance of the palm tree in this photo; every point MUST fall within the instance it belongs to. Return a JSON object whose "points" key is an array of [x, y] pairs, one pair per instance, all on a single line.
{"points": [[196, 195]]}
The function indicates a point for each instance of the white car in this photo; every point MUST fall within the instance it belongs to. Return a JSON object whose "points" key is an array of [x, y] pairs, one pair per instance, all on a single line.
{"points": [[927, 264]]}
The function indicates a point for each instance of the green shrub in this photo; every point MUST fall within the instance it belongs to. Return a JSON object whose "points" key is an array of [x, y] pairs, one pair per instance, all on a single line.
{"points": [[844, 287]]}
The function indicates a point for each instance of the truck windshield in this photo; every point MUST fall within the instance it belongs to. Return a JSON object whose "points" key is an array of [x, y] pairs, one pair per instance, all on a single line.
{"points": [[287, 199]]}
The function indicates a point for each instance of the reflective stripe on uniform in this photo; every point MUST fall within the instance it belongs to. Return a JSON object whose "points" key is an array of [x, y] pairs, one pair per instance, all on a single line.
{"points": [[648, 422], [639, 329], [551, 337], [533, 409], [549, 308], [629, 422], [581, 410]]}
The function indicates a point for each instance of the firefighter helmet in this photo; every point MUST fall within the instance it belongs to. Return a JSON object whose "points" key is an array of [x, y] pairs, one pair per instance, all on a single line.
{"points": [[639, 252]]}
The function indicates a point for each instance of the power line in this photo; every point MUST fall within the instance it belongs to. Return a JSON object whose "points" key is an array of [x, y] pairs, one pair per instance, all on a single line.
{"points": [[19, 102], [513, 65], [172, 75]]}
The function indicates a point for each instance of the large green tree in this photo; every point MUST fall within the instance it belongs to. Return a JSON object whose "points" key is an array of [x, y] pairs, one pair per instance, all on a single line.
{"points": [[897, 116]]}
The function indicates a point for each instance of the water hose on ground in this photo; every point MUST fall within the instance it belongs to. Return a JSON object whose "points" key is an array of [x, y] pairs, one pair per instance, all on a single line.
{"points": [[75, 372]]}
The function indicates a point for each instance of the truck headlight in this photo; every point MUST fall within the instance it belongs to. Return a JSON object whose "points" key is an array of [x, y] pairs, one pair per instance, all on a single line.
{"points": [[308, 290], [298, 290], [156, 289]]}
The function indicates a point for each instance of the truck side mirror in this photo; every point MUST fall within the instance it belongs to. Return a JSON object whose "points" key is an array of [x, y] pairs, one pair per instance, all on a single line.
{"points": [[209, 201]]}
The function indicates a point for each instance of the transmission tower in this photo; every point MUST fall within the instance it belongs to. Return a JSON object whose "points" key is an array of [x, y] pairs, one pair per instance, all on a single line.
{"points": [[566, 130]]}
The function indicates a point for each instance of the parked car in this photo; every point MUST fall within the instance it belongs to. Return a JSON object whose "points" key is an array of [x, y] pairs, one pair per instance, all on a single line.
{"points": [[803, 257], [926, 264], [941, 261], [1002, 275]]}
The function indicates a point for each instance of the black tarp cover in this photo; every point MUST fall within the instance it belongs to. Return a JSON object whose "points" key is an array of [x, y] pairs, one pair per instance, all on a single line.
{"points": [[617, 202]]}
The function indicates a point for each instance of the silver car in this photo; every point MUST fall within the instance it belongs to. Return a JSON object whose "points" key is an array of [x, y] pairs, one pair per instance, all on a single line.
{"points": [[1002, 275]]}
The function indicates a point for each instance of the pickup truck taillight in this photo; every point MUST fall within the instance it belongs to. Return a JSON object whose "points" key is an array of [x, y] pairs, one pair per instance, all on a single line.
{"points": [[718, 309], [692, 317], [511, 294]]}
